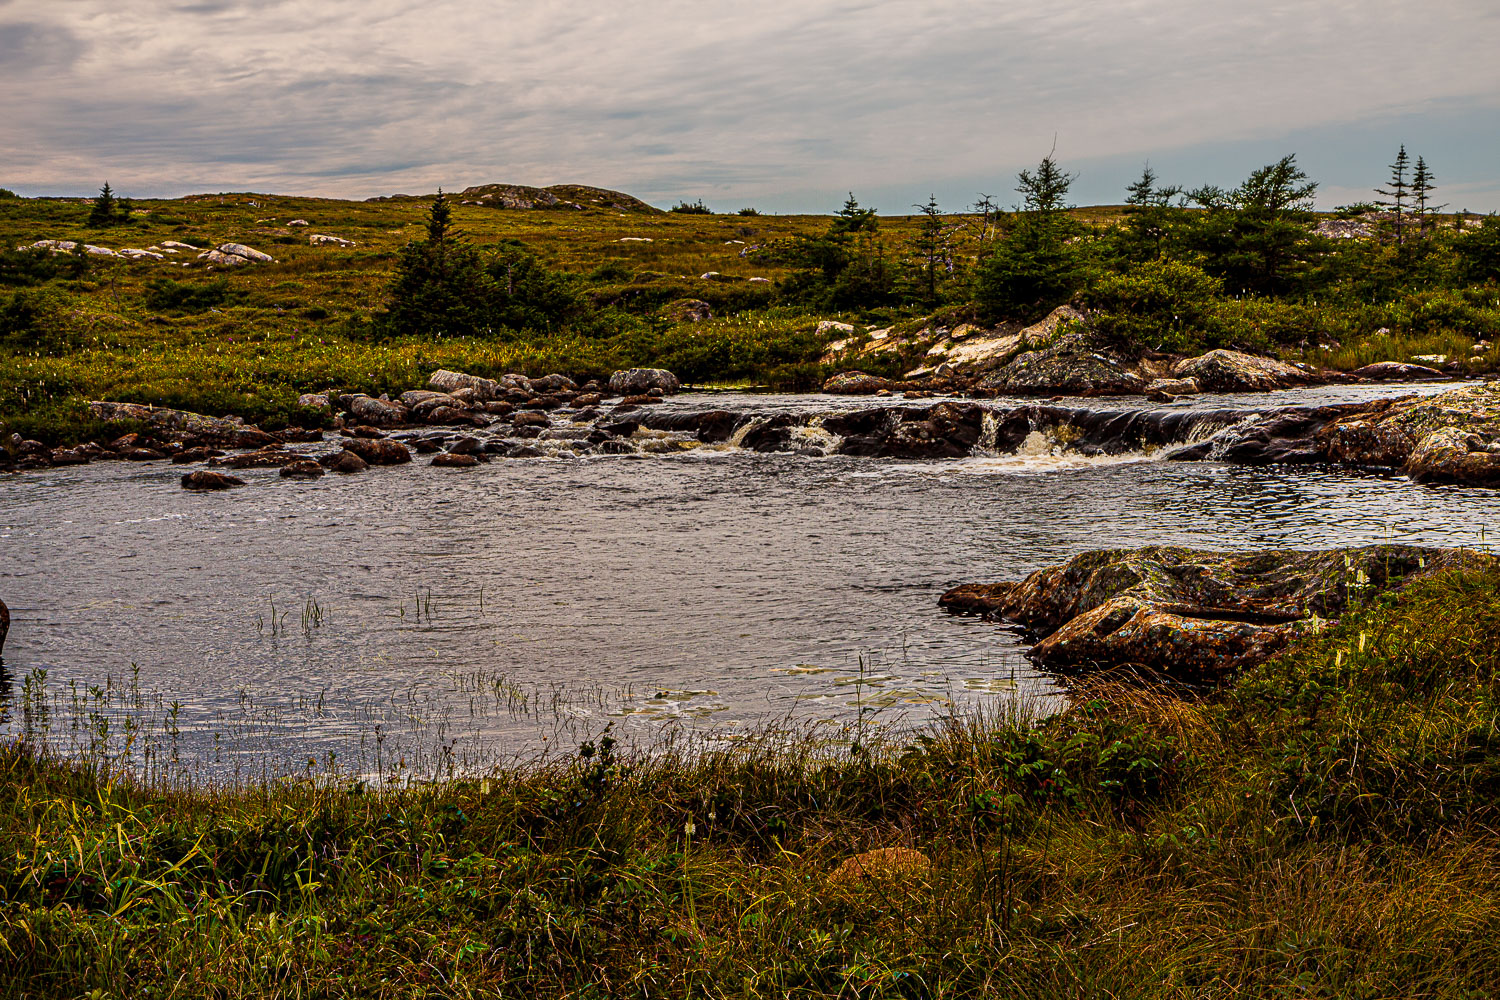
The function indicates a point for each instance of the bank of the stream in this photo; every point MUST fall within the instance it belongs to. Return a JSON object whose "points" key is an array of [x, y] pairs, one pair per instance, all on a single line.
{"points": [[1323, 826]]}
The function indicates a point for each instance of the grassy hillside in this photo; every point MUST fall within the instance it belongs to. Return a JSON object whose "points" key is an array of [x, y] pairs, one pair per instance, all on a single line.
{"points": [[1326, 826], [249, 341]]}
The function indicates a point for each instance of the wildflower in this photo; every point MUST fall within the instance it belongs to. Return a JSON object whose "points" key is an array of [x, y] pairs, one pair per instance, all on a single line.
{"points": [[689, 828], [1361, 642]]}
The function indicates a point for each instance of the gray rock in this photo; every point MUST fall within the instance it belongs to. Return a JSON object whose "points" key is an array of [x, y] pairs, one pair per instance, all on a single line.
{"points": [[638, 381]]}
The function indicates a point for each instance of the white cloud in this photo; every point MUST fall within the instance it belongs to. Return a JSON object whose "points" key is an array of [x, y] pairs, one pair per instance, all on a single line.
{"points": [[667, 98]]}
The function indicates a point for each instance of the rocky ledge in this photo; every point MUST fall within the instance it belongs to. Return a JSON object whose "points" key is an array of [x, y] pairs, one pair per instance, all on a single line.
{"points": [[1189, 613]]}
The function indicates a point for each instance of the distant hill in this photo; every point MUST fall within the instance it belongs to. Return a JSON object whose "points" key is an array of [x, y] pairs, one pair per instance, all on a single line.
{"points": [[575, 196]]}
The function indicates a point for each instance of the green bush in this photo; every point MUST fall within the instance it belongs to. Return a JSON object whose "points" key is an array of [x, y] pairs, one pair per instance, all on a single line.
{"points": [[1161, 304], [692, 208], [169, 295]]}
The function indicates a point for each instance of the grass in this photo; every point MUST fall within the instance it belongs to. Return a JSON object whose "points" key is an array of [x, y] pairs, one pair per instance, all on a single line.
{"points": [[1325, 826], [249, 341]]}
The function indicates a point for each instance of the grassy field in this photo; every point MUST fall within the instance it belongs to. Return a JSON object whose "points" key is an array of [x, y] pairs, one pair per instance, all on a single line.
{"points": [[249, 341], [1325, 826]]}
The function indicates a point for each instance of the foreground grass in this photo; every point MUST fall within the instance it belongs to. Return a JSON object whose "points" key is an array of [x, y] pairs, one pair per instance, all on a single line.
{"points": [[1324, 827]]}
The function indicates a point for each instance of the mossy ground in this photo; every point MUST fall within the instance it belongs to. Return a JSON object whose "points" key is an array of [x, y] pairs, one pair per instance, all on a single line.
{"points": [[1325, 826]]}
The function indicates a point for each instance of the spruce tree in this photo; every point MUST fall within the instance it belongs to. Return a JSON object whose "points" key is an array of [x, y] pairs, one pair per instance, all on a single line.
{"points": [[931, 247], [440, 287], [1398, 191], [1421, 196], [106, 210]]}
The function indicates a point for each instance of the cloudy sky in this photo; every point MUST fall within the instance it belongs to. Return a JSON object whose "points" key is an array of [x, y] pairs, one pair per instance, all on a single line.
{"points": [[781, 104]]}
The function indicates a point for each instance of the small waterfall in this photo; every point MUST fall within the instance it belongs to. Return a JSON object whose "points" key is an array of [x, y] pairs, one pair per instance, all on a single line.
{"points": [[737, 439], [989, 432]]}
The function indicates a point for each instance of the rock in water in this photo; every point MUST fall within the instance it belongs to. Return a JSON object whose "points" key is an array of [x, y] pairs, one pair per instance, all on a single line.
{"points": [[378, 451], [203, 479], [1231, 371], [639, 381], [4, 624], [344, 462], [1397, 371], [302, 468], [451, 460], [856, 384], [1191, 613]]}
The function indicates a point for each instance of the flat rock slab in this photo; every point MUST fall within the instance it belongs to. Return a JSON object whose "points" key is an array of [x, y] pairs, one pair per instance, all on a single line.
{"points": [[1192, 613]]}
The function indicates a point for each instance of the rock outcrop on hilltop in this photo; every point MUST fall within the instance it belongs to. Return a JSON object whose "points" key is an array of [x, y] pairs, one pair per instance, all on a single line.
{"points": [[1190, 613], [564, 196]]}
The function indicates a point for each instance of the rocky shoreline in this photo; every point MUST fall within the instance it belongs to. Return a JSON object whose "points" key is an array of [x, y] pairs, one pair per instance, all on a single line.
{"points": [[1192, 614], [463, 420]]}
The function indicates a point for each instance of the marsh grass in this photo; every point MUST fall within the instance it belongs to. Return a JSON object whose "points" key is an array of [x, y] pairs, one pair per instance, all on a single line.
{"points": [[1324, 826]]}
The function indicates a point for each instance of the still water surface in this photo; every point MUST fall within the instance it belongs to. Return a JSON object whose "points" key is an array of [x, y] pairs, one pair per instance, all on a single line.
{"points": [[429, 614]]}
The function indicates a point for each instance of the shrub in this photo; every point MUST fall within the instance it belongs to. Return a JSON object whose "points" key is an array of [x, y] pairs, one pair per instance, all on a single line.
{"points": [[693, 208], [1159, 304], [190, 297], [749, 211]]}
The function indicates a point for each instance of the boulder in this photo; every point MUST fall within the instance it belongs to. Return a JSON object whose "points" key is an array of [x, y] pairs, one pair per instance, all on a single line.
{"points": [[344, 462], [378, 451], [451, 460], [1191, 613], [1062, 356], [1231, 371], [178, 425], [1167, 389], [272, 457], [447, 381], [203, 479], [637, 381], [554, 383], [1396, 371], [320, 240], [248, 253], [530, 418], [857, 383], [316, 400], [377, 412], [1454, 455], [302, 468]]}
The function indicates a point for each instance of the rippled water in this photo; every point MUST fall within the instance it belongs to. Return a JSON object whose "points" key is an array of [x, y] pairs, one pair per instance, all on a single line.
{"points": [[527, 603]]}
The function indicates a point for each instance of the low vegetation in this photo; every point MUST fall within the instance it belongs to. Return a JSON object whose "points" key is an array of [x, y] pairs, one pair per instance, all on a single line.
{"points": [[585, 289], [1324, 826]]}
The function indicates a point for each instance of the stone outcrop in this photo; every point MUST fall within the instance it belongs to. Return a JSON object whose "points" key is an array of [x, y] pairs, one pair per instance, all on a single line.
{"points": [[1231, 371], [1396, 371], [235, 255], [378, 451], [856, 383], [638, 381], [1064, 357], [179, 425], [1191, 613]]}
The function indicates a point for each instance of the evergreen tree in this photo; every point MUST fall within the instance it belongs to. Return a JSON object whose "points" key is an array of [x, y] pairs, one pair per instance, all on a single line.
{"points": [[440, 286], [931, 246], [1034, 269], [106, 210], [853, 218], [1398, 191], [1255, 238], [1421, 196], [1149, 214]]}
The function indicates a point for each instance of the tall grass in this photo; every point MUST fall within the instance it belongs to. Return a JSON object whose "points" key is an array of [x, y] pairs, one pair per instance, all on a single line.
{"points": [[1324, 826]]}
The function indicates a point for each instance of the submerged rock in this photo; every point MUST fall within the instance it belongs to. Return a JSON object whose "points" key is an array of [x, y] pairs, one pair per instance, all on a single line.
{"points": [[344, 462], [302, 468], [1192, 613]]}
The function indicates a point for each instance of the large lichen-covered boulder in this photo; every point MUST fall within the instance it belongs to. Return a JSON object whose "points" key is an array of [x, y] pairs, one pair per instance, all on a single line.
{"points": [[637, 381], [1189, 612], [1231, 371], [1451, 437], [1067, 358]]}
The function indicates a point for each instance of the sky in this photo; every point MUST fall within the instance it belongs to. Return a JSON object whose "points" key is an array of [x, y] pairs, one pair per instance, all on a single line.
{"points": [[784, 105]]}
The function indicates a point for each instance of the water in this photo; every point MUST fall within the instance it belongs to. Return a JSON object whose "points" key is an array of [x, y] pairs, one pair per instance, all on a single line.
{"points": [[430, 615]]}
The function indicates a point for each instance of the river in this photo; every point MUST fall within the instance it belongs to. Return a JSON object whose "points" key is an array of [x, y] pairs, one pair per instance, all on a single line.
{"points": [[415, 618]]}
